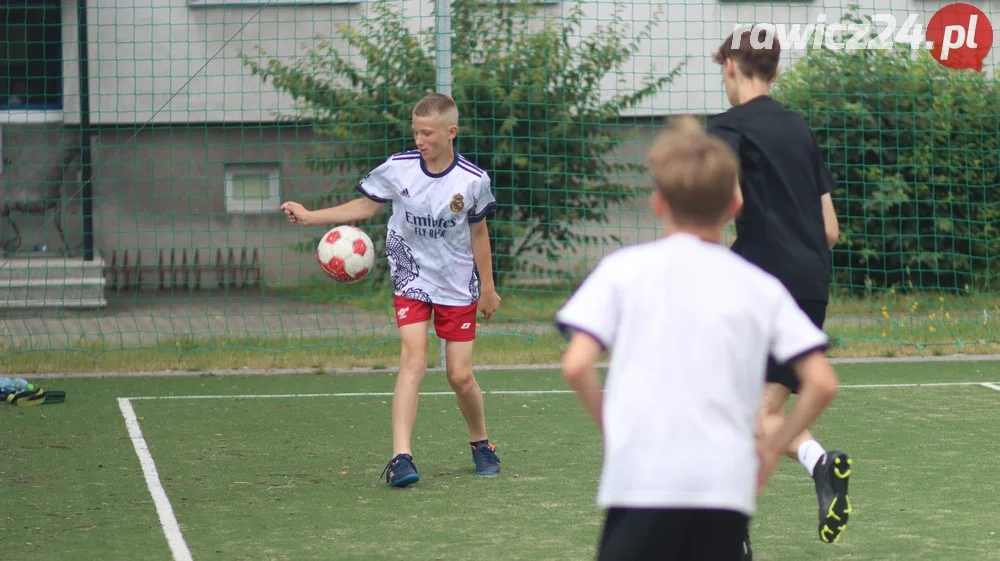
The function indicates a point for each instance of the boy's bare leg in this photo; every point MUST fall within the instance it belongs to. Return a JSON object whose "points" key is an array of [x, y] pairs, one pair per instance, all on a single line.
{"points": [[470, 397], [772, 414], [470, 402], [412, 367], [830, 470]]}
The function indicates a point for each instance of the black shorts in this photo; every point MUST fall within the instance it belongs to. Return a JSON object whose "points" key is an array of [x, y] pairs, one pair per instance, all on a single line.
{"points": [[672, 535], [784, 375]]}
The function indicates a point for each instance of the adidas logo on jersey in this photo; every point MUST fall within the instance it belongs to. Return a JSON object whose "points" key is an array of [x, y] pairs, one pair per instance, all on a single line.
{"points": [[405, 193]]}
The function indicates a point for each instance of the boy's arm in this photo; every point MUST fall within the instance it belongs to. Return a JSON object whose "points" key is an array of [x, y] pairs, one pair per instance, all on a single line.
{"points": [[826, 185], [483, 203], [590, 321], [378, 188], [489, 300], [818, 389], [797, 341], [361, 208], [830, 224], [578, 370]]}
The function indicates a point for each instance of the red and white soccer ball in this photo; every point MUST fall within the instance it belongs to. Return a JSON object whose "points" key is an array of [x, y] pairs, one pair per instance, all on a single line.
{"points": [[346, 254]]}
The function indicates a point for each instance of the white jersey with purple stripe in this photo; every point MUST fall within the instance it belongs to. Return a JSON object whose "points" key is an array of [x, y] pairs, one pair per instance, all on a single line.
{"points": [[429, 242]]}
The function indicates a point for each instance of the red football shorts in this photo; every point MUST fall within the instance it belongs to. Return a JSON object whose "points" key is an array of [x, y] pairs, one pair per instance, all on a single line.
{"points": [[452, 323]]}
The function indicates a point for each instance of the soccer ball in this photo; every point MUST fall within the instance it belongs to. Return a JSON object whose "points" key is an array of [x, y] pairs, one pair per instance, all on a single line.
{"points": [[346, 254]]}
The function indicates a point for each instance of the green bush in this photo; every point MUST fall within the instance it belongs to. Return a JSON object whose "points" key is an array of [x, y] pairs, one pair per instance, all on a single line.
{"points": [[915, 150], [529, 89]]}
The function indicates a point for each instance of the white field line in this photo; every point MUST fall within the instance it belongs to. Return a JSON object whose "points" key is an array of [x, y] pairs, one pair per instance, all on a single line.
{"points": [[347, 394], [172, 531], [507, 392], [175, 539]]}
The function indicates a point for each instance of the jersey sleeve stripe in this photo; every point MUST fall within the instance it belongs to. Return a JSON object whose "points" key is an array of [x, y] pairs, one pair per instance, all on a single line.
{"points": [[406, 157], [463, 159], [478, 217], [802, 354], [370, 196], [568, 329], [470, 168]]}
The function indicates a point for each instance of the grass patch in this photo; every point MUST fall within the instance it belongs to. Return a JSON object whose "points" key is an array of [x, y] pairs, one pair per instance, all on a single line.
{"points": [[540, 303], [883, 325], [299, 478], [271, 353], [521, 305], [295, 352]]}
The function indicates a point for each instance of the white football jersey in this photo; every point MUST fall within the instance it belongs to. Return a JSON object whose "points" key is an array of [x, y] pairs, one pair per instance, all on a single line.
{"points": [[690, 325], [429, 242]]}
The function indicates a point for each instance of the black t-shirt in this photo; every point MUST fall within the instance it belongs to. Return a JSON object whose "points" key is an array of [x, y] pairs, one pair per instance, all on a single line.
{"points": [[782, 177]]}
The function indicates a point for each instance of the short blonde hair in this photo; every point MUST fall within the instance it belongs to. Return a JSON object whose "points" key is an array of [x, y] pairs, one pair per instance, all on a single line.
{"points": [[436, 104], [694, 172]]}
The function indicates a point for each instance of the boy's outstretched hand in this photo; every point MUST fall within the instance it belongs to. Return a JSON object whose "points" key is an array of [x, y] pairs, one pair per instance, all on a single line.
{"points": [[489, 301], [296, 213]]}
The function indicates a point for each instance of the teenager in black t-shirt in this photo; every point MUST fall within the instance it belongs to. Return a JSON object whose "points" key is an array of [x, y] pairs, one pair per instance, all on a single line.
{"points": [[787, 227]]}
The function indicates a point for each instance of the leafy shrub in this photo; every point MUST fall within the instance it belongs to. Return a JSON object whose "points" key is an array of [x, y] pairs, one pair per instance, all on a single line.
{"points": [[915, 150], [529, 90]]}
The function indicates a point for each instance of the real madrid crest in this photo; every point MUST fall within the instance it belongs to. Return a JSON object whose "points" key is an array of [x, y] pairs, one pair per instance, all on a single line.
{"points": [[457, 203]]}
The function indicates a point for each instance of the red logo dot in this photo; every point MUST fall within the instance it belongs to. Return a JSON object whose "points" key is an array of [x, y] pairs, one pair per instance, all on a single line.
{"points": [[962, 36]]}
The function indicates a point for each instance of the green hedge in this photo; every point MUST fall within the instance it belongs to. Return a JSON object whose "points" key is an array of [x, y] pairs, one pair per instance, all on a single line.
{"points": [[915, 150]]}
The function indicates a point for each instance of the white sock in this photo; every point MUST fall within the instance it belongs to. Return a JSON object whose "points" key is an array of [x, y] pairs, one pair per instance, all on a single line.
{"points": [[810, 453]]}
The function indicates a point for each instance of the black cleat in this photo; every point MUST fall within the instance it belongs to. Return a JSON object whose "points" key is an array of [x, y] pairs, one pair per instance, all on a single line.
{"points": [[746, 553], [831, 474]]}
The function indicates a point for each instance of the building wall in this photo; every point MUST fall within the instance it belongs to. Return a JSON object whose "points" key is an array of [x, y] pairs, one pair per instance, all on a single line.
{"points": [[163, 188], [174, 70], [166, 190], [188, 69], [30, 175]]}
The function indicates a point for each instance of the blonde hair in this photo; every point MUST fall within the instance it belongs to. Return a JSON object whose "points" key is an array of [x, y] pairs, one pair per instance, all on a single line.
{"points": [[694, 172], [436, 104]]}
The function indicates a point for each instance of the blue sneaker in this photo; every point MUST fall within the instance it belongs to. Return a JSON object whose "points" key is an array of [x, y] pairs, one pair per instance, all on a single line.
{"points": [[485, 457], [400, 471]]}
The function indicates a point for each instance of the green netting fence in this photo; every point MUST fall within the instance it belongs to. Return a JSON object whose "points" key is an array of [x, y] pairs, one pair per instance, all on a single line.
{"points": [[146, 149]]}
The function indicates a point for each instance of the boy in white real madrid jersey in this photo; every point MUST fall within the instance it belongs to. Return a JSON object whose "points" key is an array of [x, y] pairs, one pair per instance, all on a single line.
{"points": [[689, 325], [438, 250]]}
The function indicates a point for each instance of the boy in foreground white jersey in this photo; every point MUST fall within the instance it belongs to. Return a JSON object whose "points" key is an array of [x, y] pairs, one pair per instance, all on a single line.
{"points": [[690, 325], [438, 250]]}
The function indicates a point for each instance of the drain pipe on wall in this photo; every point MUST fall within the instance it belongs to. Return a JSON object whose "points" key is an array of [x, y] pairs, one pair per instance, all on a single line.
{"points": [[86, 167]]}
